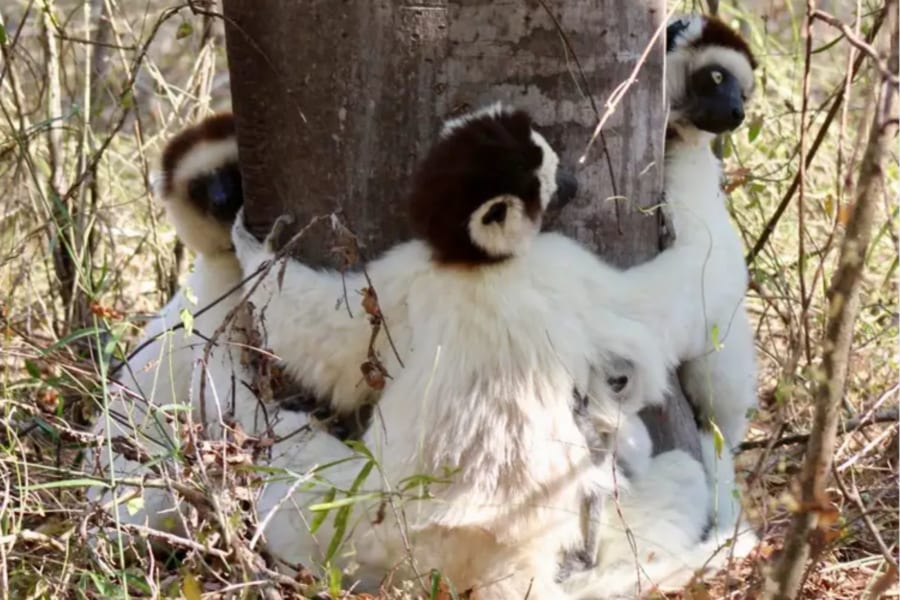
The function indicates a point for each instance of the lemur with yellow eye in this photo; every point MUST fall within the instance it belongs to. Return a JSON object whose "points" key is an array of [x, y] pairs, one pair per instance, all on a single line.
{"points": [[199, 183], [709, 79]]}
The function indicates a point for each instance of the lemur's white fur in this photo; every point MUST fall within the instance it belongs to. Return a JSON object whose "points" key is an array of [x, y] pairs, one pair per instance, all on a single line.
{"points": [[483, 390], [491, 357], [722, 379], [546, 174], [492, 110], [158, 378]]}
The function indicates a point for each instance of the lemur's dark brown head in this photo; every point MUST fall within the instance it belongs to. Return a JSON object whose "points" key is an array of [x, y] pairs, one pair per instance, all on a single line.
{"points": [[200, 183], [480, 192], [709, 74]]}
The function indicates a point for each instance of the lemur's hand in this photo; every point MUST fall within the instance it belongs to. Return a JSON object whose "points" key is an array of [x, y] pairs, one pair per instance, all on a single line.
{"points": [[275, 240]]}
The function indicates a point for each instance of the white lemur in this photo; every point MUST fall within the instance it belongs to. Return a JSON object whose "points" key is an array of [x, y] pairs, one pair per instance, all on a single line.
{"points": [[199, 183], [494, 335], [709, 78]]}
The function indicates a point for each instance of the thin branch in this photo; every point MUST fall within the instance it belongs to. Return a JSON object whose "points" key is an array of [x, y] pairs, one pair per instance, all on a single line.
{"points": [[787, 577], [866, 518], [820, 137], [622, 89], [887, 415], [801, 191], [861, 45]]}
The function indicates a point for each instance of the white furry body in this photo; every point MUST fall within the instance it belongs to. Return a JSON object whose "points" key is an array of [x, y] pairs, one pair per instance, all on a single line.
{"points": [[671, 498], [491, 357], [722, 380], [665, 509]]}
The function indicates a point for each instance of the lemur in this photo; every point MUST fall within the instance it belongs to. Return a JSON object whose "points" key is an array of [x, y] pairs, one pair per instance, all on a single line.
{"points": [[494, 338], [709, 75], [199, 183], [709, 78]]}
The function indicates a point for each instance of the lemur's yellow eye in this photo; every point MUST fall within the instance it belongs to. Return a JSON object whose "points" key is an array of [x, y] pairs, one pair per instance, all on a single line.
{"points": [[717, 77]]}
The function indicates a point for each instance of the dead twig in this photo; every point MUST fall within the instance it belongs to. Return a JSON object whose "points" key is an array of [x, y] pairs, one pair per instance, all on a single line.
{"points": [[888, 415]]}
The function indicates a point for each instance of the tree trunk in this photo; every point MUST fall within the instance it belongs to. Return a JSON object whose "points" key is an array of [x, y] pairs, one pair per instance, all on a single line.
{"points": [[335, 102]]}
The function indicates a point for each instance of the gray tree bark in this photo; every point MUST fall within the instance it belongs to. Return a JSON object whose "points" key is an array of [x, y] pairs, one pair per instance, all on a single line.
{"points": [[335, 102]]}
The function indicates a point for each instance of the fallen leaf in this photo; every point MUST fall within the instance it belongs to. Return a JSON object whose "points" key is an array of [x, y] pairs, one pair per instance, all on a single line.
{"points": [[190, 588]]}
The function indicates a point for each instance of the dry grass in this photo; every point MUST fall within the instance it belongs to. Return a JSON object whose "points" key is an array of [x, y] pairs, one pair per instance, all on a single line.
{"points": [[75, 145]]}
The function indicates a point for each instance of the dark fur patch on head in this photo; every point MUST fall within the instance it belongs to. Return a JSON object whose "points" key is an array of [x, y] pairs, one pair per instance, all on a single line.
{"points": [[717, 33], [214, 128], [674, 31], [483, 158]]}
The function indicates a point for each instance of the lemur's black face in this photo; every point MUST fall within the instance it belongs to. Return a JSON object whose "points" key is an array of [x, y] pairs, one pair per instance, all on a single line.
{"points": [[709, 74], [715, 99], [218, 193]]}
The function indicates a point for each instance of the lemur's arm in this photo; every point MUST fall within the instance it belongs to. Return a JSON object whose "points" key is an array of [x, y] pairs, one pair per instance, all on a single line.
{"points": [[313, 319]]}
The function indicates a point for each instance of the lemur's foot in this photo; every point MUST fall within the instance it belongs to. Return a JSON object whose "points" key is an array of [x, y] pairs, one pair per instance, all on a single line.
{"points": [[575, 561]]}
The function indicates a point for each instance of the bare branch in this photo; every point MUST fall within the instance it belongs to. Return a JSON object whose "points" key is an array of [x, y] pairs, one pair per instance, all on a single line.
{"points": [[859, 44]]}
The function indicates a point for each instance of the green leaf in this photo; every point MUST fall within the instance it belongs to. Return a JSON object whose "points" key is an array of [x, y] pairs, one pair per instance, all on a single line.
{"points": [[340, 526], [184, 30], [361, 476], [727, 147], [754, 128], [190, 588], [435, 583], [342, 502], [50, 485], [2, 35], [75, 335], [175, 407], [33, 369], [829, 205], [718, 439], [187, 319], [716, 340], [126, 101], [361, 448], [335, 579], [135, 505], [319, 518]]}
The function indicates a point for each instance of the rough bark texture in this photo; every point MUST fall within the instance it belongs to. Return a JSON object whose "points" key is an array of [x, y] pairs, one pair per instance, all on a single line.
{"points": [[335, 101]]}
